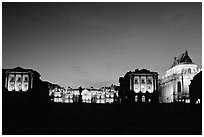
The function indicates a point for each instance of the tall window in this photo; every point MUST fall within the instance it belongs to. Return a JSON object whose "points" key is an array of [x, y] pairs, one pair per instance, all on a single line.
{"points": [[179, 87], [11, 82], [143, 98], [136, 98], [136, 81], [143, 82], [189, 71], [149, 81]]}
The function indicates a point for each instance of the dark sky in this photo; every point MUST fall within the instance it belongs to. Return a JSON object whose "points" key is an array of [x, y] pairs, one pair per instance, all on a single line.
{"points": [[93, 44]]}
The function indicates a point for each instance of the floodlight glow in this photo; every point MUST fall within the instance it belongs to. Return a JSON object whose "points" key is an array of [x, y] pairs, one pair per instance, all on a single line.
{"points": [[60, 99], [55, 99], [102, 101], [188, 101], [55, 95], [97, 101]]}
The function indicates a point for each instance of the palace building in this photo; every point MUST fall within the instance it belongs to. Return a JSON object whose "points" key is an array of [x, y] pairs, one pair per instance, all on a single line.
{"points": [[139, 86], [19, 79], [174, 85]]}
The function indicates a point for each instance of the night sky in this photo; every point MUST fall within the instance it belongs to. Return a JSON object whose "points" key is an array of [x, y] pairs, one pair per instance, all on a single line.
{"points": [[93, 44]]}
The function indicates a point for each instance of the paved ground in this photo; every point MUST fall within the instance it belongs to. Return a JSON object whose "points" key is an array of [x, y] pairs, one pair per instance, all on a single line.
{"points": [[20, 117]]}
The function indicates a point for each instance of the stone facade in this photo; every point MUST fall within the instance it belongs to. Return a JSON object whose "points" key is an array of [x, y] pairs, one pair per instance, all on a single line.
{"points": [[139, 86], [174, 85], [19, 79]]}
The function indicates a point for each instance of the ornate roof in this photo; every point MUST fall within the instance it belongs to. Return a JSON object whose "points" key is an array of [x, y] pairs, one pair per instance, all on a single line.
{"points": [[20, 69], [141, 71], [182, 59]]}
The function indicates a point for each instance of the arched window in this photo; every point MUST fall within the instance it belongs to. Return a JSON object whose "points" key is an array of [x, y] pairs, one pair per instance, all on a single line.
{"points": [[189, 71], [179, 87]]}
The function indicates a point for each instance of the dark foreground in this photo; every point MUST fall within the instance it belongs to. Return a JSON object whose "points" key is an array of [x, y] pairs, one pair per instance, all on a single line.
{"points": [[24, 117]]}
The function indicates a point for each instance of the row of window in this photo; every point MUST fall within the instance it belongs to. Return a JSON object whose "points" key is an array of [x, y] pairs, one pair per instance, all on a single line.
{"points": [[57, 100], [183, 71], [143, 99]]}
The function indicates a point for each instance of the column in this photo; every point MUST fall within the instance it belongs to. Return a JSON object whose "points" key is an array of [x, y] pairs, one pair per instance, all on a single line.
{"points": [[6, 80], [146, 87], [130, 82], [140, 82], [31, 81], [146, 84], [15, 82], [154, 83], [156, 88], [133, 83], [21, 81]]}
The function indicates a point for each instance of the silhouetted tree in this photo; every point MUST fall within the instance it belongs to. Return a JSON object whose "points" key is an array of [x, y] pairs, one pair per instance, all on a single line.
{"points": [[195, 88]]}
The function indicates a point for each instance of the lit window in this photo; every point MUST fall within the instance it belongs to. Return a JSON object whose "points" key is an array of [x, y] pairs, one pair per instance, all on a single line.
{"points": [[136, 81], [26, 79], [187, 100], [198, 101], [60, 99], [59, 95], [55, 99], [55, 95], [19, 79], [149, 81], [102, 101], [136, 98], [143, 98], [71, 101], [98, 101], [149, 100], [189, 71]]}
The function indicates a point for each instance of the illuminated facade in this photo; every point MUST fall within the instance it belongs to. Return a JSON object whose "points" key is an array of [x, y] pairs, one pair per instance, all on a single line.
{"points": [[139, 86], [110, 94], [61, 95], [174, 85], [19, 79], [88, 95]]}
